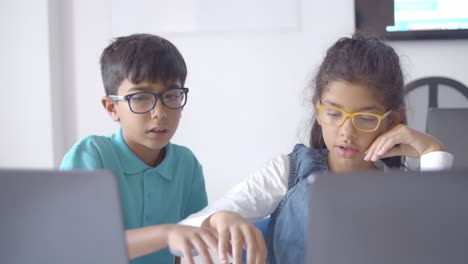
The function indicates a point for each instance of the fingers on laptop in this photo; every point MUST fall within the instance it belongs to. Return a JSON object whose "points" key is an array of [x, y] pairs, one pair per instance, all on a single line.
{"points": [[255, 254], [236, 234], [201, 244], [187, 239]]}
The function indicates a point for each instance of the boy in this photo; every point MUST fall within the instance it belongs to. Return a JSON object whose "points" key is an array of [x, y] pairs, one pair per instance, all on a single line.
{"points": [[159, 182]]}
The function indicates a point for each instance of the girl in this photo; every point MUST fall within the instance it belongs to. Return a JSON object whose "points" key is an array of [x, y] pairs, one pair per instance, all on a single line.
{"points": [[358, 125]]}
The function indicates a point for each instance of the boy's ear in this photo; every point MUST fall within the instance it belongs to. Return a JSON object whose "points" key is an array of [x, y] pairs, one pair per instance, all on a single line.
{"points": [[110, 107]]}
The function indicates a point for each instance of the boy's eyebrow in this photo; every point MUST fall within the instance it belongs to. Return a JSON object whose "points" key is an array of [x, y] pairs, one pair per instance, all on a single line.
{"points": [[138, 88], [147, 88], [365, 108]]}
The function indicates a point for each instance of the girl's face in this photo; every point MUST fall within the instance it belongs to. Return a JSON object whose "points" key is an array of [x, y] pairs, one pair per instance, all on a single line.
{"points": [[346, 143]]}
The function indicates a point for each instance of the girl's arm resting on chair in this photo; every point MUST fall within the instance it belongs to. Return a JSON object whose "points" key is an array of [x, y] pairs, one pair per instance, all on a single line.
{"points": [[402, 140]]}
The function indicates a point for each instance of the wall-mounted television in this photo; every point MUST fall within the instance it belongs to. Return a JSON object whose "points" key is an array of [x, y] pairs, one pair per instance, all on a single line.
{"points": [[412, 19]]}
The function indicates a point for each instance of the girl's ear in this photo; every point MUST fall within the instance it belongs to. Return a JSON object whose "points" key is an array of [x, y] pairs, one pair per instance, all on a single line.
{"points": [[317, 116], [396, 117], [111, 108]]}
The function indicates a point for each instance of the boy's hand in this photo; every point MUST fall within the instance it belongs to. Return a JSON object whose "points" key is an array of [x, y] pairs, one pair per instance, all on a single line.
{"points": [[402, 141], [234, 234], [184, 239]]}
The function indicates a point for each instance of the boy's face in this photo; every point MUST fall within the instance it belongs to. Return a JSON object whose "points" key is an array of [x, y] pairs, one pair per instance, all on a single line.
{"points": [[347, 144], [148, 133]]}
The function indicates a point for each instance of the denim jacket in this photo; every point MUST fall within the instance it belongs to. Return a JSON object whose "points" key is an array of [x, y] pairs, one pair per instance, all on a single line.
{"points": [[287, 228]]}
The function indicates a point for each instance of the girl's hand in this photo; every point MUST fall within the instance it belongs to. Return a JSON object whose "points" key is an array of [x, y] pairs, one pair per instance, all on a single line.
{"points": [[402, 141], [184, 239], [231, 227]]}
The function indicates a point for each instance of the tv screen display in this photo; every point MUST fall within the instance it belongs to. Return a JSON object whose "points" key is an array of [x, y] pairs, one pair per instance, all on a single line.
{"points": [[413, 19]]}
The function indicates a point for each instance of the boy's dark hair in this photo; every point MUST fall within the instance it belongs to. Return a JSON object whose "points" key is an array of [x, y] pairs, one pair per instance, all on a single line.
{"points": [[366, 61], [141, 57]]}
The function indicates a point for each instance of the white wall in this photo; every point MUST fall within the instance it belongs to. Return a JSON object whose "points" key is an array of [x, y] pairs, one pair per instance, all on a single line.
{"points": [[433, 58], [25, 105], [229, 74]]}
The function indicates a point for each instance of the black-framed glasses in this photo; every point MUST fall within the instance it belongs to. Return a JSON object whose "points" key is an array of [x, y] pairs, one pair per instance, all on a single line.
{"points": [[143, 102]]}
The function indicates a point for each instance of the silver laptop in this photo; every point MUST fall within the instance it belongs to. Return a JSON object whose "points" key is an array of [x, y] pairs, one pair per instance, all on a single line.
{"points": [[392, 217], [60, 217]]}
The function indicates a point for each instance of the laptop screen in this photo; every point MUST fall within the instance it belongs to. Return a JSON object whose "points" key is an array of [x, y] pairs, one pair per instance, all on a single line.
{"points": [[392, 217], [60, 217]]}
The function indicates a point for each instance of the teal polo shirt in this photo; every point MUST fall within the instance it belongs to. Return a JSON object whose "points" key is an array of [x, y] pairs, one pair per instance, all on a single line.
{"points": [[163, 194]]}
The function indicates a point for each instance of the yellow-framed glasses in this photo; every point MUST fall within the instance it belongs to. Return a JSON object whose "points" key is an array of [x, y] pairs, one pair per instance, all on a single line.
{"points": [[333, 116]]}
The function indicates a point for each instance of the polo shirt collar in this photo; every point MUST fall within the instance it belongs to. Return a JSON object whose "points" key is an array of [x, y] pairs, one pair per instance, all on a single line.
{"points": [[131, 164]]}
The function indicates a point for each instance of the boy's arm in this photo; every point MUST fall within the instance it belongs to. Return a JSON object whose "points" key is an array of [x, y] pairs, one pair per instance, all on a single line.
{"points": [[142, 241], [179, 238]]}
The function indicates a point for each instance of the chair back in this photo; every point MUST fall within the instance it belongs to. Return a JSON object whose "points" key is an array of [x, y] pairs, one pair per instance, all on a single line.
{"points": [[450, 126], [434, 83]]}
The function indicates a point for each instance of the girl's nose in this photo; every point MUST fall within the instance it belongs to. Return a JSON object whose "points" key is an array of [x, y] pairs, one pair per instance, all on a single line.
{"points": [[347, 129]]}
